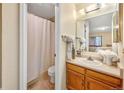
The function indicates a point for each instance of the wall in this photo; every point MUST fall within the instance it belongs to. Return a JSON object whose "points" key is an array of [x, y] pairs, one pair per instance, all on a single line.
{"points": [[121, 56], [67, 26], [121, 48], [10, 46], [79, 33], [0, 43], [106, 37]]}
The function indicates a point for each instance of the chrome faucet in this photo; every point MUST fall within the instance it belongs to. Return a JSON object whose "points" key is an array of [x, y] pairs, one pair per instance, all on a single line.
{"points": [[90, 58]]}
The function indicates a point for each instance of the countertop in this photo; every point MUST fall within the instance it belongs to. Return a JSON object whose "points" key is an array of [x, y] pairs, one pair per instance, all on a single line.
{"points": [[103, 68]]}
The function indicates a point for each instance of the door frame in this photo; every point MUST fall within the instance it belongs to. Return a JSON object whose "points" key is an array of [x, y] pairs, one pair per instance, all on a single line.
{"points": [[23, 46]]}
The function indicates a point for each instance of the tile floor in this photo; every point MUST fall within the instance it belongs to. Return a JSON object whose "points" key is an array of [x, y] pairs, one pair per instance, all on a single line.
{"points": [[43, 83]]}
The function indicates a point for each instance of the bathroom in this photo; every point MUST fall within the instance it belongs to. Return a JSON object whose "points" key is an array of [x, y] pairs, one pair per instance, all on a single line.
{"points": [[92, 57], [87, 44], [65, 35], [41, 46]]}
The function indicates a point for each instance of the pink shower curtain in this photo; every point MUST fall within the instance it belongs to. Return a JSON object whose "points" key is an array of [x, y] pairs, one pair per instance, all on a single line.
{"points": [[40, 45]]}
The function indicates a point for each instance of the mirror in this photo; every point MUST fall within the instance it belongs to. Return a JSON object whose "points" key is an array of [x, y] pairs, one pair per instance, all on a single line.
{"points": [[98, 32]]}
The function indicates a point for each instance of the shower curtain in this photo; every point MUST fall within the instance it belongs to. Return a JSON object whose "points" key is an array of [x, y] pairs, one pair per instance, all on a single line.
{"points": [[41, 45]]}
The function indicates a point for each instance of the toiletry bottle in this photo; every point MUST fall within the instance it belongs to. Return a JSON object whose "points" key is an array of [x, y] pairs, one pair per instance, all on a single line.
{"points": [[73, 52]]}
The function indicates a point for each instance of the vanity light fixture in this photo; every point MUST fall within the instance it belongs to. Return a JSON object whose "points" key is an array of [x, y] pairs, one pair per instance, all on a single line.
{"points": [[92, 7]]}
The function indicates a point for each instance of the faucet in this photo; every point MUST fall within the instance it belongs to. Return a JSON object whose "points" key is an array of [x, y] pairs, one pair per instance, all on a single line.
{"points": [[90, 58]]}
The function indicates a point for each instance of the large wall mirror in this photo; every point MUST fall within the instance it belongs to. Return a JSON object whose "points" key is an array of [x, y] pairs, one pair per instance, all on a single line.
{"points": [[98, 32]]}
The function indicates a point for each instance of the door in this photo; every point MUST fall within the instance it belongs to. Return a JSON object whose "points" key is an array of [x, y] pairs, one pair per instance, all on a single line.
{"points": [[92, 84], [75, 80]]}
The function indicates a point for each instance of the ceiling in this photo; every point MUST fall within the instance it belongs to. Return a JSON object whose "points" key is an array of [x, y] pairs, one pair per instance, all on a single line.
{"points": [[101, 23], [44, 10]]}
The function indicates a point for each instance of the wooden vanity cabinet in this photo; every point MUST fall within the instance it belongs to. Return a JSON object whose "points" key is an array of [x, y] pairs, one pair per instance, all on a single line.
{"points": [[75, 80], [92, 84], [103, 78], [79, 78], [75, 77]]}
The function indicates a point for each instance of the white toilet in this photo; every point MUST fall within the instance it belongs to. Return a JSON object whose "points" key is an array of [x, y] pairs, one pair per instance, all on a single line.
{"points": [[51, 73]]}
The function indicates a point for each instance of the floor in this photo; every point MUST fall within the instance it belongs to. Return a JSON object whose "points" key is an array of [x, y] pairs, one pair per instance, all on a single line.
{"points": [[42, 83]]}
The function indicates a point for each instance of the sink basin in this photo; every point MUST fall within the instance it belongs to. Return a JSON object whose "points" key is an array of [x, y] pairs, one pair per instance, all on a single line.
{"points": [[84, 61]]}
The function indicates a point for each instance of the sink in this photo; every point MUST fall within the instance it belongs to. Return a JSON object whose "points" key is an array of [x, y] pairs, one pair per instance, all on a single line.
{"points": [[84, 61], [94, 62]]}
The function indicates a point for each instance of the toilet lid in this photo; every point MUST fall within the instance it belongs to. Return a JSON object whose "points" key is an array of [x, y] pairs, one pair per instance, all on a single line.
{"points": [[52, 69]]}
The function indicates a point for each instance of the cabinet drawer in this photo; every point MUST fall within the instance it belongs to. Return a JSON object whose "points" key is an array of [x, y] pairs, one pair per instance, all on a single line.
{"points": [[113, 81], [76, 68]]}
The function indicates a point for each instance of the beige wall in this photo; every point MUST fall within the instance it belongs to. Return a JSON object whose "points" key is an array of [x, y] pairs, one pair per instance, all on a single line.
{"points": [[121, 49], [10, 46], [106, 37], [121, 56], [0, 42], [67, 27]]}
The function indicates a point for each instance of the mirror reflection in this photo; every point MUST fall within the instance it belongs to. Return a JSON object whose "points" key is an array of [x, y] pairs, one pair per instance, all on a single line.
{"points": [[100, 32], [97, 33]]}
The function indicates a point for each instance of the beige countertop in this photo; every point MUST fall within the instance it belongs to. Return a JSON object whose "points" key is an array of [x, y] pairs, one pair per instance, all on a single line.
{"points": [[103, 68]]}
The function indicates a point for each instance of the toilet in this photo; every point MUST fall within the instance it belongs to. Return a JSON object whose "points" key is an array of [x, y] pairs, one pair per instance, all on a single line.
{"points": [[51, 73]]}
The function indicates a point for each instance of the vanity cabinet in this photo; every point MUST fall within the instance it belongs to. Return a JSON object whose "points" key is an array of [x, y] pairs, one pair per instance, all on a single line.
{"points": [[92, 84], [75, 80], [80, 78]]}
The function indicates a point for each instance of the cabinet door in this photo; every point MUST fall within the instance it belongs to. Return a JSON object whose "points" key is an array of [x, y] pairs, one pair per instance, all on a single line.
{"points": [[75, 80], [92, 84]]}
